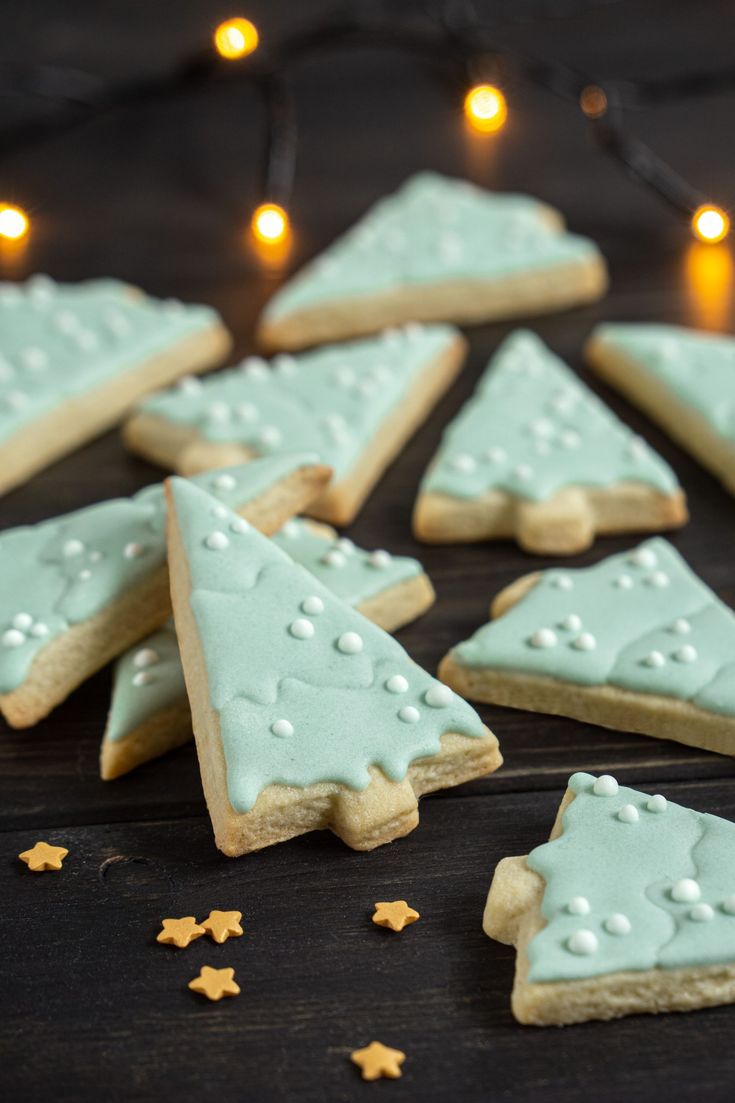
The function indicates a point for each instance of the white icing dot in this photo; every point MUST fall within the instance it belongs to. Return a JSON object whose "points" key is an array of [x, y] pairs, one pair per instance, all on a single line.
{"points": [[16, 400], [579, 905], [270, 435], [685, 891], [255, 367], [618, 924], [438, 696], [643, 557], [246, 411], [409, 714], [117, 323], [628, 814], [495, 455], [681, 627], [346, 545], [302, 629], [654, 659], [623, 582], [656, 803], [145, 657], [291, 529], [13, 638], [463, 463], [350, 643], [380, 559], [396, 684], [658, 579], [142, 678], [562, 582], [413, 330], [282, 728], [39, 630], [22, 621], [345, 376], [605, 786], [541, 427], [66, 321], [543, 637], [585, 642], [523, 471], [583, 942], [334, 558], [570, 438], [728, 904], [34, 359], [701, 913], [224, 482], [312, 605], [133, 550], [239, 525], [189, 384], [84, 575], [637, 448], [95, 556], [219, 511], [73, 547], [285, 364], [572, 622], [685, 654], [217, 541], [218, 411], [86, 339]]}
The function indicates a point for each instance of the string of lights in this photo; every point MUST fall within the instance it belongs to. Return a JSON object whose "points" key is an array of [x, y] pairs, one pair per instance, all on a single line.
{"points": [[462, 52]]}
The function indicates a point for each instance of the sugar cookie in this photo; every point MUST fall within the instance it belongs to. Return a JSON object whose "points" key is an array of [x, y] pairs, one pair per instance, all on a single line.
{"points": [[619, 913], [301, 730], [537, 456], [80, 589], [437, 250], [149, 711], [354, 406], [75, 357], [637, 643]]}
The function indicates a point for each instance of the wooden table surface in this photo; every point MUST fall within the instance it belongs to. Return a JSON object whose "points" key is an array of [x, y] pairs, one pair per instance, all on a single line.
{"points": [[91, 1007]]}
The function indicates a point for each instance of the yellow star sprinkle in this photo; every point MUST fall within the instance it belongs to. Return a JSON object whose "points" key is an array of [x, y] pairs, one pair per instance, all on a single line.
{"points": [[395, 914], [223, 925], [179, 932], [43, 856], [215, 983], [377, 1060]]}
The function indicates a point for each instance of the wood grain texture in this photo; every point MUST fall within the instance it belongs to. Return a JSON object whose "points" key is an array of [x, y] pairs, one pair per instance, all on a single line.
{"points": [[92, 1007]]}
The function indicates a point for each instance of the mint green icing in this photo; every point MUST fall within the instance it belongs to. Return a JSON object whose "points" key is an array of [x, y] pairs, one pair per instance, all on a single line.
{"points": [[532, 427], [300, 685], [59, 341], [332, 400], [433, 229], [698, 368], [641, 620], [348, 571], [63, 571], [631, 869]]}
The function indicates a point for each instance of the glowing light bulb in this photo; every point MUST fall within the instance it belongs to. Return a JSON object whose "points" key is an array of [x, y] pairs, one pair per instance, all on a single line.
{"points": [[236, 38], [485, 108], [593, 101], [270, 224], [14, 223], [710, 224]]}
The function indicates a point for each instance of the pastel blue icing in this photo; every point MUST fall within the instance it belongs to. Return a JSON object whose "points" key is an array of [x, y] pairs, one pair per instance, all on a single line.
{"points": [[245, 597], [59, 341], [662, 611], [331, 400], [63, 571], [433, 229], [532, 427], [630, 869]]}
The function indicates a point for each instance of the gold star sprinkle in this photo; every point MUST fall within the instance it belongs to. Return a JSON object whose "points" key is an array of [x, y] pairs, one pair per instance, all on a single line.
{"points": [[395, 914], [179, 932], [377, 1060], [223, 925], [43, 856], [215, 983]]}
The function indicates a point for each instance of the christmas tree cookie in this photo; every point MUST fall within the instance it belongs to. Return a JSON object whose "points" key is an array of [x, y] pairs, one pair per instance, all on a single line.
{"points": [[537, 456], [306, 715], [682, 378], [75, 357], [437, 250], [80, 589], [354, 406], [636, 642], [149, 712], [629, 908]]}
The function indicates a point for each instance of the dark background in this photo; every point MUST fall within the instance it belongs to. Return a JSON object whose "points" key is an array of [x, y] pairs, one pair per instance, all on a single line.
{"points": [[160, 195]]}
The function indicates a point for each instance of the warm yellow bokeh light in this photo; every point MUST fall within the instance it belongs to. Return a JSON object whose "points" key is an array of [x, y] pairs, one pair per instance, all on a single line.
{"points": [[485, 108], [236, 38], [14, 222], [710, 224], [270, 224], [593, 101]]}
